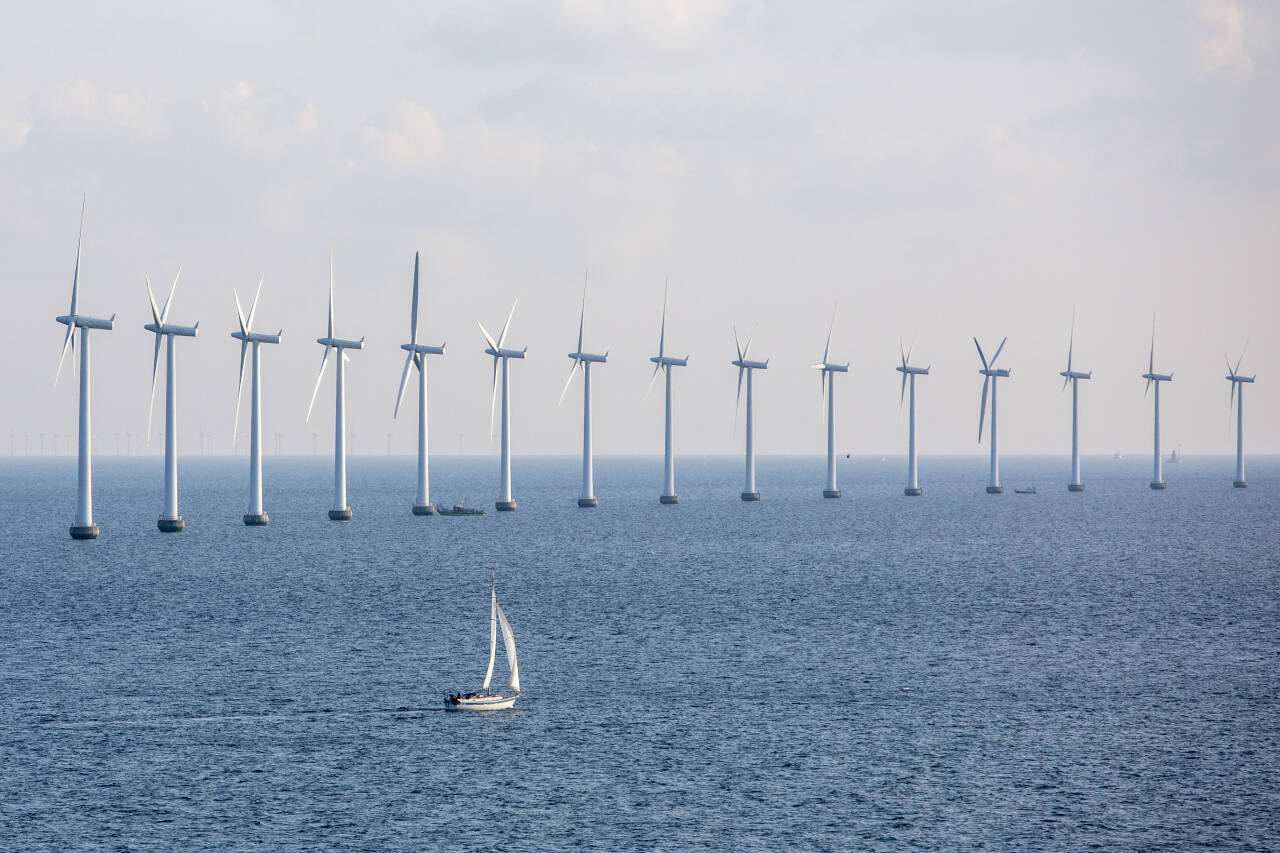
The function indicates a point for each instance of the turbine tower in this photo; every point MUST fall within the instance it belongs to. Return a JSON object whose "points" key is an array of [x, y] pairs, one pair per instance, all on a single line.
{"points": [[339, 511], [828, 377], [1157, 476], [83, 526], [664, 363], [418, 357], [1238, 381], [584, 360], [169, 521], [1074, 377], [910, 373], [505, 502], [749, 492], [256, 516], [993, 376]]}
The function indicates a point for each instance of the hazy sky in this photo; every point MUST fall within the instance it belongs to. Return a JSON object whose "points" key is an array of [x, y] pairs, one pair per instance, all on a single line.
{"points": [[939, 170]]}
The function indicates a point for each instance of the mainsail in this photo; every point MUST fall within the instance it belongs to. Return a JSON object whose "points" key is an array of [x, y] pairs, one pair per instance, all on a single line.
{"points": [[493, 636], [509, 640]]}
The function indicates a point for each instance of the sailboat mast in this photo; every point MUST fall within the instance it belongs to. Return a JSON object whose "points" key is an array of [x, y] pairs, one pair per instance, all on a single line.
{"points": [[493, 636]]}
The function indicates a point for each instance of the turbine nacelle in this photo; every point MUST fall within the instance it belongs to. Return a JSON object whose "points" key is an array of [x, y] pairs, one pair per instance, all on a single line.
{"points": [[1075, 374], [258, 337], [743, 364], [998, 373], [1158, 377], [919, 371], [831, 368], [1240, 378], [423, 349], [339, 343], [172, 329], [503, 352], [588, 356], [668, 361], [86, 322]]}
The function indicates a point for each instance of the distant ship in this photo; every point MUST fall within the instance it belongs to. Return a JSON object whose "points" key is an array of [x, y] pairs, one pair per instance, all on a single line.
{"points": [[1118, 456], [1176, 455], [1029, 490], [461, 509]]}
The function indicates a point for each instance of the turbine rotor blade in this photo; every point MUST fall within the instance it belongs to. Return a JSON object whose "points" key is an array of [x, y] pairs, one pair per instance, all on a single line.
{"points": [[413, 316], [502, 338], [652, 379], [1151, 361], [324, 362], [582, 317], [404, 383], [572, 371], [737, 346], [903, 356], [75, 278], [982, 414], [155, 372], [662, 332], [235, 423], [826, 351], [487, 338], [155, 312], [164, 312], [253, 309], [244, 330], [903, 394], [330, 296], [997, 355], [66, 344], [493, 402]]}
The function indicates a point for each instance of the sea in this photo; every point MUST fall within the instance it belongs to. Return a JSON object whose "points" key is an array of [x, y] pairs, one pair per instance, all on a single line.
{"points": [[956, 671]]}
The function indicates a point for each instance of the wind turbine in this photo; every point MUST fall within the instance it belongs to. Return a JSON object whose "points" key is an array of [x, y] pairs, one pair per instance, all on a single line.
{"points": [[505, 502], [910, 373], [584, 360], [418, 358], [749, 492], [1238, 381], [339, 511], [993, 376], [1157, 477], [257, 515], [1074, 377], [83, 526], [169, 521], [828, 377], [664, 363]]}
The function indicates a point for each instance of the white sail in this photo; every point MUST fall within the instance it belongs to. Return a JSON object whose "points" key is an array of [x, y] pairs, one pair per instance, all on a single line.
{"points": [[509, 640], [493, 636]]}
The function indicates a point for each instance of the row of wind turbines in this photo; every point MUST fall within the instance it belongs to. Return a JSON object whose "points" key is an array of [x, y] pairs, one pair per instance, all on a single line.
{"points": [[416, 359]]}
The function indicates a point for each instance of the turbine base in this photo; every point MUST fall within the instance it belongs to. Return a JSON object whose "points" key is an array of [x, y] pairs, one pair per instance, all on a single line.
{"points": [[588, 502], [1241, 484], [170, 525], [1160, 485], [995, 490], [831, 493], [343, 514], [505, 506], [1075, 487], [913, 491], [424, 509], [751, 496], [668, 499], [256, 519], [84, 531]]}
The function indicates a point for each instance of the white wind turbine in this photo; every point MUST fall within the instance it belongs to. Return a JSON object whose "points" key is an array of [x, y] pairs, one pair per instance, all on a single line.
{"points": [[584, 360], [169, 521], [339, 511], [1157, 477], [505, 502], [1238, 382], [1074, 377], [749, 492], [83, 526], [664, 363], [418, 358], [993, 376], [910, 373], [828, 377], [257, 515]]}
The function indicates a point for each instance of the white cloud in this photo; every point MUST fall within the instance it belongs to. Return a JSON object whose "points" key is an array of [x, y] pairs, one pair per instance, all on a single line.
{"points": [[408, 140], [126, 112], [15, 119], [660, 21], [266, 122], [1224, 46]]}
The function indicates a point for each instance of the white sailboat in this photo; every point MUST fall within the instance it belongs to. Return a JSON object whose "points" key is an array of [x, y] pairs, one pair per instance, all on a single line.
{"points": [[484, 700]]}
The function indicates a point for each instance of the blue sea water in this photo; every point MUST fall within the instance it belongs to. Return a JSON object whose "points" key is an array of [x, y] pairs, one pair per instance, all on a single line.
{"points": [[956, 671]]}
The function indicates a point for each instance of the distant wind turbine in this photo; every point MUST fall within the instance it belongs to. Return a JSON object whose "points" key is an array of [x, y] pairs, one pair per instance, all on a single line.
{"points": [[1157, 476], [339, 511], [505, 502], [83, 526], [828, 377], [910, 373], [417, 357], [257, 515], [1074, 377], [992, 378], [664, 363], [169, 521], [587, 498], [1238, 381], [744, 365]]}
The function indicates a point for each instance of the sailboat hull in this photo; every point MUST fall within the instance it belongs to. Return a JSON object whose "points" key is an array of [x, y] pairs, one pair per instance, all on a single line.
{"points": [[480, 703]]}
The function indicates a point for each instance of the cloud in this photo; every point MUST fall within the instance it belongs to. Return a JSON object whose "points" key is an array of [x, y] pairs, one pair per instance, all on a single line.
{"points": [[15, 119], [1224, 46], [128, 113], [267, 122], [408, 140], [664, 22]]}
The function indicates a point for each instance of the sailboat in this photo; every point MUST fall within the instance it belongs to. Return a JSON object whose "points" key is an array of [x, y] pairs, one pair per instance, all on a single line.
{"points": [[484, 700]]}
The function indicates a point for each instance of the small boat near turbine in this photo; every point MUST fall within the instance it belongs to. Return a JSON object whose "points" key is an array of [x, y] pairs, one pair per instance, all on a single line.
{"points": [[484, 700]]}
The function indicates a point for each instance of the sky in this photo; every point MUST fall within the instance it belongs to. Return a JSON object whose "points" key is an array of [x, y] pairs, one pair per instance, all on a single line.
{"points": [[927, 172]]}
